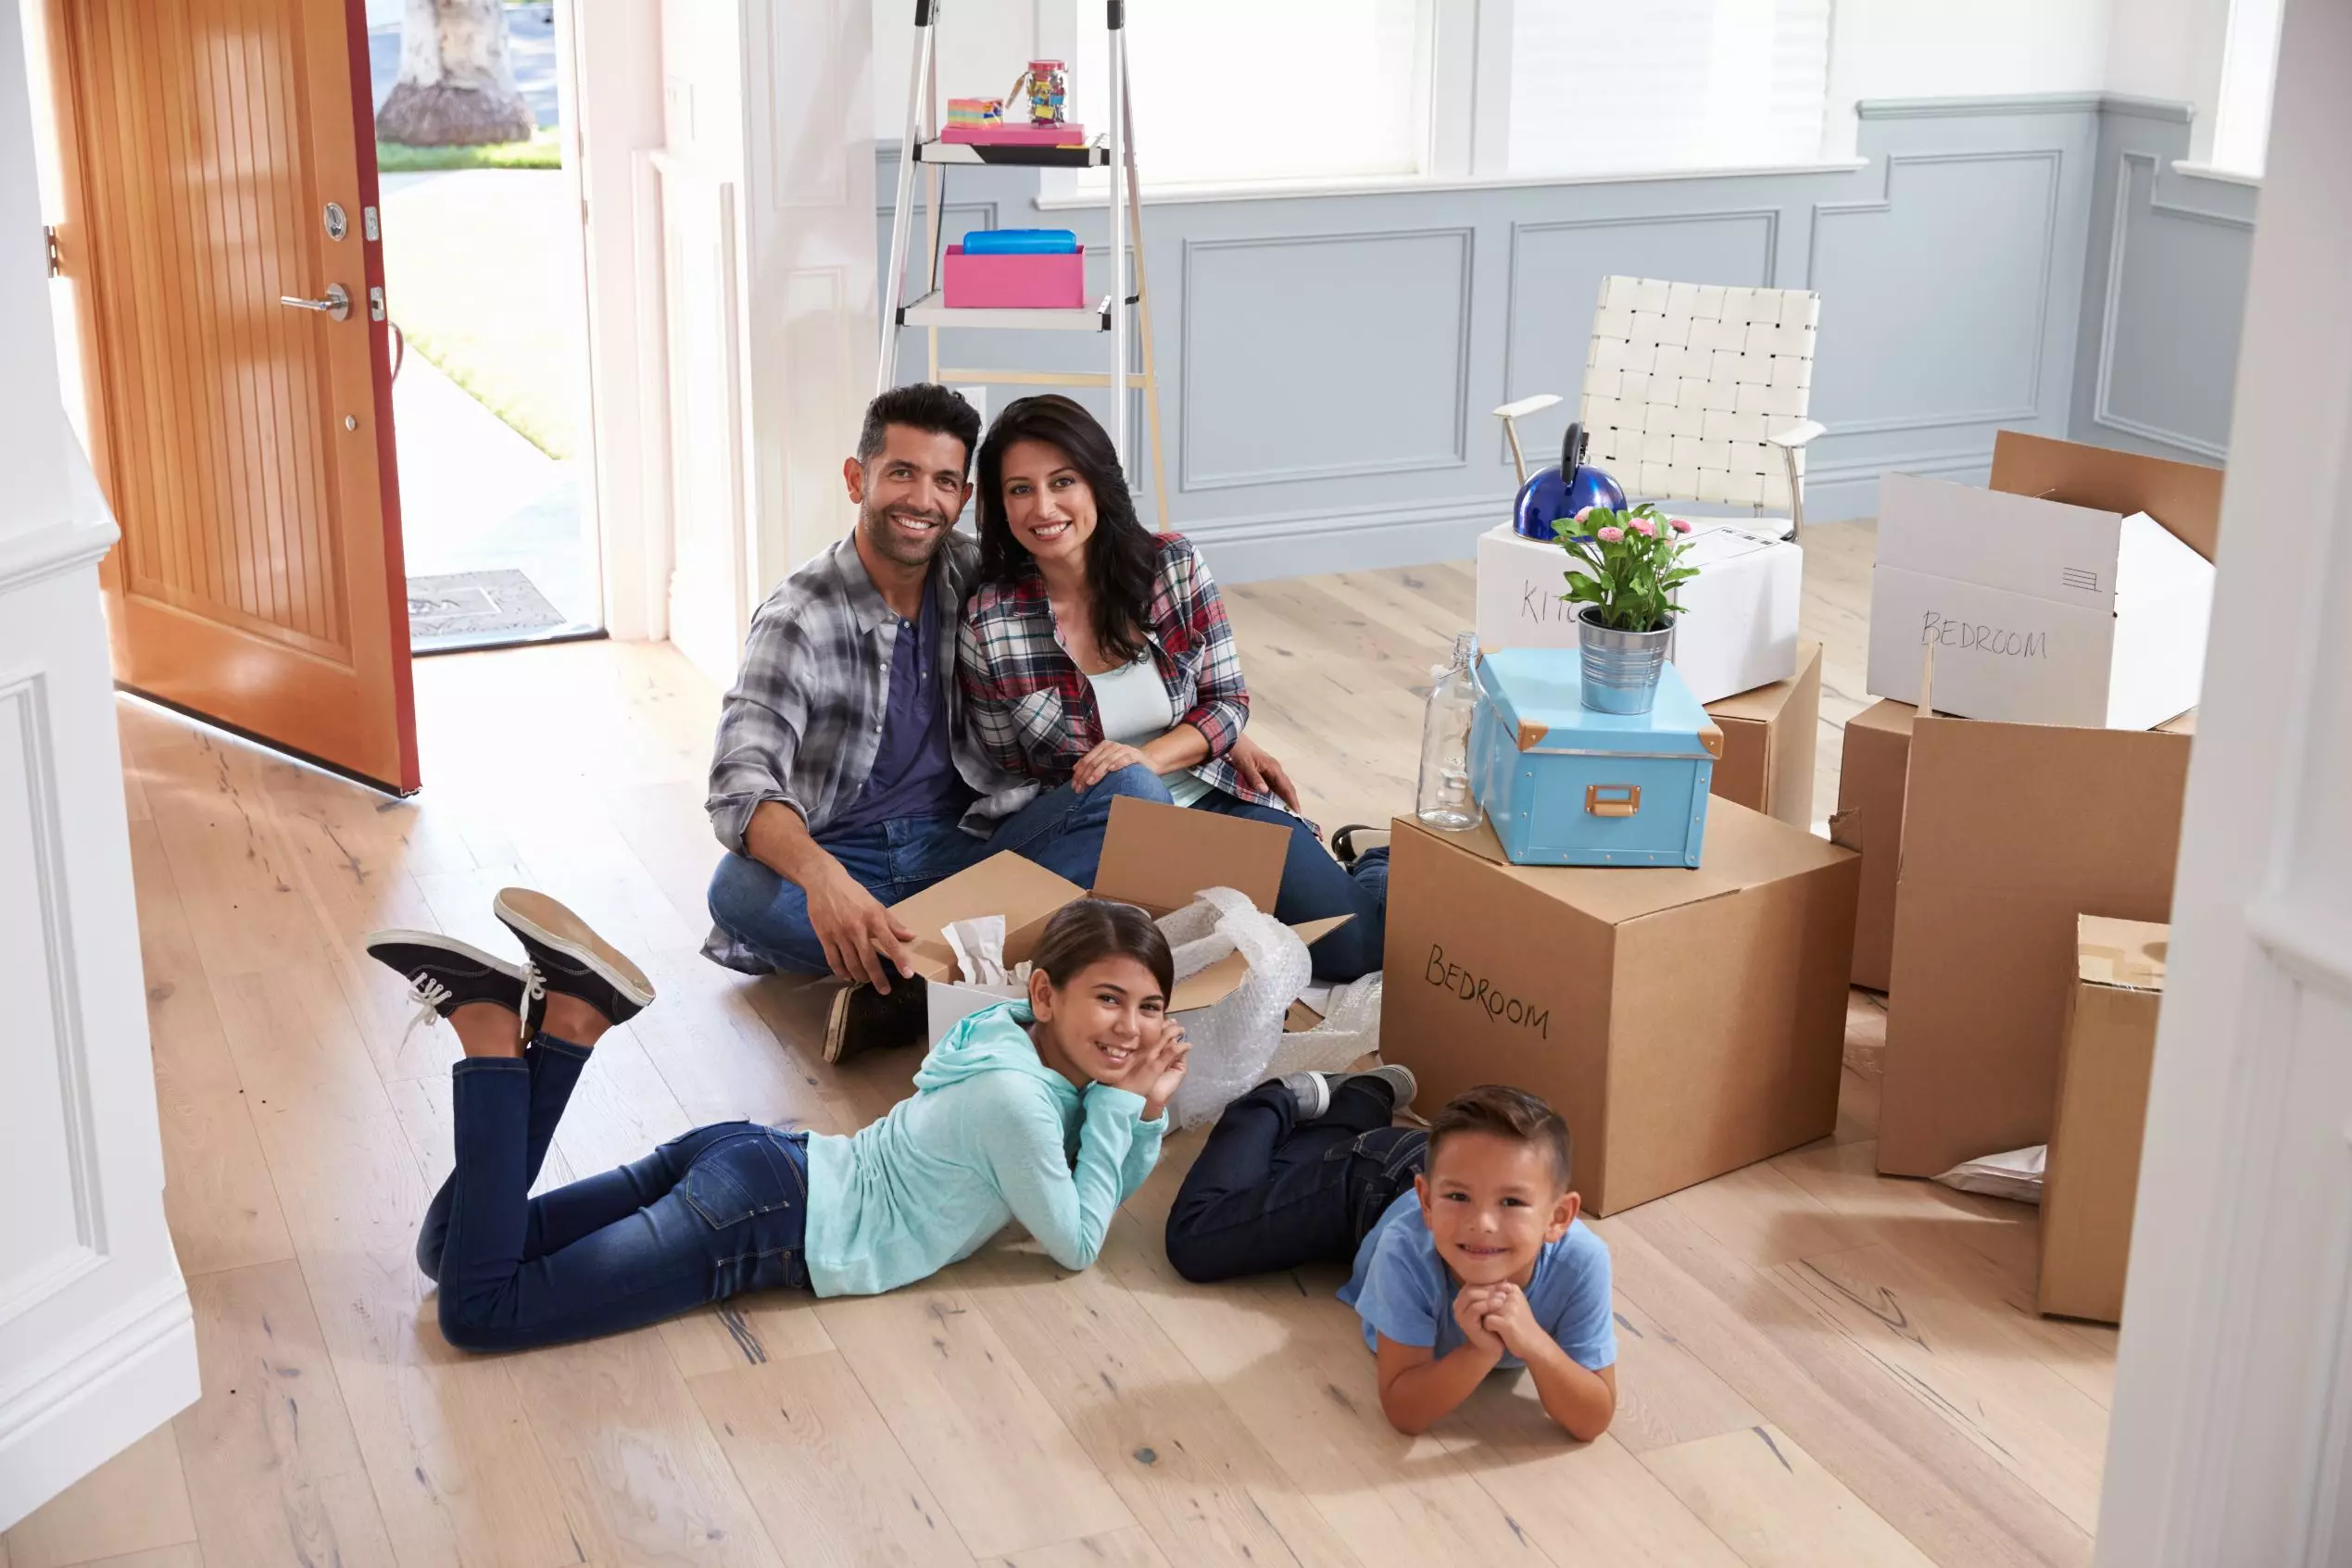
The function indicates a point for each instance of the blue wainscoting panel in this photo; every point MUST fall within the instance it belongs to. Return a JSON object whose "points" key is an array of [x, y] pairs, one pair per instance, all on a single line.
{"points": [[2169, 361], [1323, 356], [1943, 293]]}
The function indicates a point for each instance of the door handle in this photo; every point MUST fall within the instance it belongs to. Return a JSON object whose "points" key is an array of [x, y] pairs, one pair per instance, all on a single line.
{"points": [[337, 304]]}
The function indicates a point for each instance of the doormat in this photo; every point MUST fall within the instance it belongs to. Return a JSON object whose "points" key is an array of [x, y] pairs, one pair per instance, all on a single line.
{"points": [[470, 607]]}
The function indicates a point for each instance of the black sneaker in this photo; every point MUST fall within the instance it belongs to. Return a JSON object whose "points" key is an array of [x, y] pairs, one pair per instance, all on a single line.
{"points": [[865, 1020], [444, 974], [1343, 847], [572, 958]]}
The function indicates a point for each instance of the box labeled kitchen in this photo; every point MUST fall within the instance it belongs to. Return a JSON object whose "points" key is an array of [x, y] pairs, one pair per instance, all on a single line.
{"points": [[1738, 626]]}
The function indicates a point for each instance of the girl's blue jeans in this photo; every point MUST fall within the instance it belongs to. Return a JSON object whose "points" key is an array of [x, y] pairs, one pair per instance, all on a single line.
{"points": [[713, 1212]]}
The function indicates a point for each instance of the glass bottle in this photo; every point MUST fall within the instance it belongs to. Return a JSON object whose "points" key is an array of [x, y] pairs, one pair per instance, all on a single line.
{"points": [[1443, 799]]}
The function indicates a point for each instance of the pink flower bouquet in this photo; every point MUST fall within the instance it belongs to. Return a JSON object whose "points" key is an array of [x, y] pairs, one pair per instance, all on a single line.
{"points": [[1630, 566]]}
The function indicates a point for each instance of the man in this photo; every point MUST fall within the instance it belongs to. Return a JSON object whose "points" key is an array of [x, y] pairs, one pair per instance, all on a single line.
{"points": [[845, 777]]}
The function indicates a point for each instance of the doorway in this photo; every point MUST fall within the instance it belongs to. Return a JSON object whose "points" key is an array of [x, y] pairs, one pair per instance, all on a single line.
{"points": [[485, 280]]}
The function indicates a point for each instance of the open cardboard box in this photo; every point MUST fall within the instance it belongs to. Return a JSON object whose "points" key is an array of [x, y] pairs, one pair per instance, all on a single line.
{"points": [[1876, 755], [2074, 590], [2007, 833], [1769, 740], [1155, 857], [2091, 1185]]}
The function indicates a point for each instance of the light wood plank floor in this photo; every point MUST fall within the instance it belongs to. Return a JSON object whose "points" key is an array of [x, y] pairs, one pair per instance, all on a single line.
{"points": [[1819, 1367]]}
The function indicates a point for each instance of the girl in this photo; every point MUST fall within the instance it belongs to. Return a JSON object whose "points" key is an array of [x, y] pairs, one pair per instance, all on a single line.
{"points": [[1088, 1064], [1092, 645]]}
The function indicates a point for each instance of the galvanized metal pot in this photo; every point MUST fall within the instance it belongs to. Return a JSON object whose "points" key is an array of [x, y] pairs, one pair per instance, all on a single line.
{"points": [[1621, 667]]}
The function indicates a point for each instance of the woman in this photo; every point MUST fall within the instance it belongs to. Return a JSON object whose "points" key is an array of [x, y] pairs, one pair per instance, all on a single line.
{"points": [[1092, 644], [1087, 1063]]}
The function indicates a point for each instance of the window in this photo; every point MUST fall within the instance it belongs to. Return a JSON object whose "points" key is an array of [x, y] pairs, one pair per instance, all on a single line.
{"points": [[2250, 67], [1636, 86], [1232, 90], [1235, 92]]}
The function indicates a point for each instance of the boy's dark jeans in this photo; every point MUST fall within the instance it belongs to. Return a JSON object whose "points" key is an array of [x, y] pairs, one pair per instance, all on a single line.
{"points": [[1270, 1193]]}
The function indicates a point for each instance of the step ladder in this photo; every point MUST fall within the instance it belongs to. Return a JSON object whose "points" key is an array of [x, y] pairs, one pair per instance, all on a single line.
{"points": [[922, 148]]}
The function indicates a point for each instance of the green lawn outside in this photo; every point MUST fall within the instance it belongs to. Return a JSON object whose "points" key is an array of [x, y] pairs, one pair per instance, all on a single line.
{"points": [[541, 151], [479, 276]]}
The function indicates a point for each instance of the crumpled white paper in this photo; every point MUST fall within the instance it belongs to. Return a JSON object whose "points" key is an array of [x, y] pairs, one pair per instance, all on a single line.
{"points": [[978, 946], [2015, 1174]]}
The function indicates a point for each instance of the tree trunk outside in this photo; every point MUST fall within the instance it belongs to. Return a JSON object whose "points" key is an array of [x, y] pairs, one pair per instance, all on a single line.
{"points": [[457, 86]]}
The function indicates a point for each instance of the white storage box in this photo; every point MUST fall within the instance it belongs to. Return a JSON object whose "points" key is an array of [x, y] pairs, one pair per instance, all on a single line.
{"points": [[1738, 626], [2053, 597]]}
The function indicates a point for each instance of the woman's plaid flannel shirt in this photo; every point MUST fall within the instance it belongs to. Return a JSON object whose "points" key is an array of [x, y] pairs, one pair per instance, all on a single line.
{"points": [[1033, 709]]}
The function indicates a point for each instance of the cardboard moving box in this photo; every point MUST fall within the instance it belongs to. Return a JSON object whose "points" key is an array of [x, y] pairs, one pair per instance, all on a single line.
{"points": [[2009, 832], [2074, 591], [2091, 1181], [1738, 626], [1154, 856], [1770, 736], [1869, 820], [1686, 1022]]}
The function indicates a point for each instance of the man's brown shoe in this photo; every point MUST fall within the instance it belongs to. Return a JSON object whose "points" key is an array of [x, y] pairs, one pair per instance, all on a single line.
{"points": [[865, 1019]]}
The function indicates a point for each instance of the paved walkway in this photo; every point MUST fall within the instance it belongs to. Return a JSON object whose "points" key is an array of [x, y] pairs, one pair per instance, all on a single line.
{"points": [[476, 497]]}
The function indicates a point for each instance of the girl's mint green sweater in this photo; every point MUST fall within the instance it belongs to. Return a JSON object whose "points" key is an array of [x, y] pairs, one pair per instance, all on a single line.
{"points": [[991, 1135]]}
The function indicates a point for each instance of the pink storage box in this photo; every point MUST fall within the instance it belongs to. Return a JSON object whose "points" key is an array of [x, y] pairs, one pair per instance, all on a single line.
{"points": [[1015, 282]]}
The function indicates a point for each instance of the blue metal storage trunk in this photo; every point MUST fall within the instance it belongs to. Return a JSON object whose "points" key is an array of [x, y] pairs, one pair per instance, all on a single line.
{"points": [[1566, 785]]}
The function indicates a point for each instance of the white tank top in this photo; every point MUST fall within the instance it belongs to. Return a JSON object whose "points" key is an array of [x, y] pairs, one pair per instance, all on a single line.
{"points": [[1134, 703]]}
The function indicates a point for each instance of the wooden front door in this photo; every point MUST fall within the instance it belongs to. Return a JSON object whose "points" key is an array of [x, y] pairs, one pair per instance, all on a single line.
{"points": [[220, 163]]}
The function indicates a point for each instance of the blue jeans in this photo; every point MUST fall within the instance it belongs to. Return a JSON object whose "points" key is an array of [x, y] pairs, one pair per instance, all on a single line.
{"points": [[1267, 1194], [710, 1214], [1315, 886], [1060, 830]]}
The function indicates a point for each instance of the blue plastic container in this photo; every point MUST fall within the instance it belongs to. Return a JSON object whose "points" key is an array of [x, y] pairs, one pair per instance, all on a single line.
{"points": [[1567, 786]]}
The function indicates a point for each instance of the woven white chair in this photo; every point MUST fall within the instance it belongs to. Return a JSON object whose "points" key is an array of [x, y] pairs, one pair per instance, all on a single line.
{"points": [[1695, 393]]}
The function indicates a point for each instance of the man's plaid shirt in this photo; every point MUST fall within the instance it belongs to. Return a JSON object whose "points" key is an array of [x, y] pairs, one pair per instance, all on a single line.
{"points": [[1033, 709], [805, 718]]}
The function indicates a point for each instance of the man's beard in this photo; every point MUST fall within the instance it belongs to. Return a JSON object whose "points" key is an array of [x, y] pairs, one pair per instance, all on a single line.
{"points": [[875, 522]]}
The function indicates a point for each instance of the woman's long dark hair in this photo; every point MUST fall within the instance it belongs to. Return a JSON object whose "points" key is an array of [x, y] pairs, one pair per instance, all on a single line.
{"points": [[1087, 930], [1122, 557]]}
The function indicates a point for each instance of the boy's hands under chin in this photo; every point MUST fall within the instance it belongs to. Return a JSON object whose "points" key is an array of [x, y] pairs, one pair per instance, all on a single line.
{"points": [[1473, 1310], [1512, 1321]]}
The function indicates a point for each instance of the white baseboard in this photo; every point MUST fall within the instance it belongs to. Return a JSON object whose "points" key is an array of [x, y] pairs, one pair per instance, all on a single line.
{"points": [[132, 1373]]}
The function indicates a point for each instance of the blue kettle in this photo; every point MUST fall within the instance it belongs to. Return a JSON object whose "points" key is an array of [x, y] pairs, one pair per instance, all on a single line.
{"points": [[1557, 494]]}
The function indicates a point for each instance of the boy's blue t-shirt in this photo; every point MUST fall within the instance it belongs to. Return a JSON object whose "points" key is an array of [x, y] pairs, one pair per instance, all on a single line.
{"points": [[1401, 1289]]}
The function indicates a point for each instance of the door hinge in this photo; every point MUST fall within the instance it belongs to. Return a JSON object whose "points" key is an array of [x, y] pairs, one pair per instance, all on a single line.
{"points": [[56, 259]]}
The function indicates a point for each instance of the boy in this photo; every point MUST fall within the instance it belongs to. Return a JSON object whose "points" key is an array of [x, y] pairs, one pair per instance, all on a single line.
{"points": [[1478, 1264]]}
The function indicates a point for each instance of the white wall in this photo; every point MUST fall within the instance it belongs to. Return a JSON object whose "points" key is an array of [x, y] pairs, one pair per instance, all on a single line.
{"points": [[97, 1346], [984, 44], [2171, 49], [1950, 49]]}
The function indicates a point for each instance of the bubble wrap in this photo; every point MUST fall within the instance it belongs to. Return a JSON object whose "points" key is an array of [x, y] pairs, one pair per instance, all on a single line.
{"points": [[1237, 1043]]}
